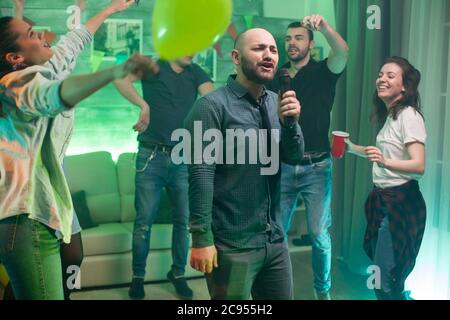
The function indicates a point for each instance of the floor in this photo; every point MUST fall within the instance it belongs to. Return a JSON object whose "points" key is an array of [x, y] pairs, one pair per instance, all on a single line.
{"points": [[346, 285]]}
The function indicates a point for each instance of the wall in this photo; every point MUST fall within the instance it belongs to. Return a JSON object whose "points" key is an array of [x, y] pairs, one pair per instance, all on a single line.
{"points": [[104, 121], [297, 9]]}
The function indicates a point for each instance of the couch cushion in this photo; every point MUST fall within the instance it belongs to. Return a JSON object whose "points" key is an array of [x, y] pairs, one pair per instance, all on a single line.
{"points": [[106, 239], [125, 177], [117, 269], [161, 237], [125, 180], [95, 173]]}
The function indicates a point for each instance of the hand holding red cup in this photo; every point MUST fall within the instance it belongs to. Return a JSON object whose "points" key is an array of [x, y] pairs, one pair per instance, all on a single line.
{"points": [[338, 145]]}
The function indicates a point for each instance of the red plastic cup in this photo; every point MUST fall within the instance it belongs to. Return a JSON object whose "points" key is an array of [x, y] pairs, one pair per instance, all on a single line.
{"points": [[338, 144]]}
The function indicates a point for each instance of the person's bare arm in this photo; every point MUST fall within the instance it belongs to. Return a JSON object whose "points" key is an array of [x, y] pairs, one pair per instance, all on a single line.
{"points": [[414, 165], [338, 56], [355, 149], [116, 6], [129, 92], [81, 4], [19, 5], [205, 88], [76, 88]]}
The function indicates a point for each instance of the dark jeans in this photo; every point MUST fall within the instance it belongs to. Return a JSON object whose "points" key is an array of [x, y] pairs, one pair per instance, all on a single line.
{"points": [[30, 253], [266, 273], [154, 171]]}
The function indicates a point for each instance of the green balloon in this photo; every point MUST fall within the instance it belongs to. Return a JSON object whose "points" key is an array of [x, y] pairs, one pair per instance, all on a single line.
{"points": [[182, 28]]}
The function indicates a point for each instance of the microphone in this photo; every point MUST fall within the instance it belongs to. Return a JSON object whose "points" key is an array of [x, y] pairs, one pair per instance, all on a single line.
{"points": [[284, 80]]}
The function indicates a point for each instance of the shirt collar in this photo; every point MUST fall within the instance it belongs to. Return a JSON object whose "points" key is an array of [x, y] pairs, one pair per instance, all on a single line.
{"points": [[239, 90], [311, 61]]}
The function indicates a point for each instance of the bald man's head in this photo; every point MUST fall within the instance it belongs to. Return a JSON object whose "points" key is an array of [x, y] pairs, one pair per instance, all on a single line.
{"points": [[243, 37], [256, 55]]}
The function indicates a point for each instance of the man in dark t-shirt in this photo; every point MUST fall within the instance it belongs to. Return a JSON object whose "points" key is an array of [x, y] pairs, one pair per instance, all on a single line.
{"points": [[169, 96], [315, 85]]}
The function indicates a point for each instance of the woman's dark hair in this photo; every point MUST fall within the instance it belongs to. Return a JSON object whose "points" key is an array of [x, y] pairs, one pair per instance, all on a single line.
{"points": [[8, 43], [411, 97]]}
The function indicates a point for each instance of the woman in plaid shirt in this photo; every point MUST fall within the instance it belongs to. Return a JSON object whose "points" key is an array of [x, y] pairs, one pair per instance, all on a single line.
{"points": [[395, 209]]}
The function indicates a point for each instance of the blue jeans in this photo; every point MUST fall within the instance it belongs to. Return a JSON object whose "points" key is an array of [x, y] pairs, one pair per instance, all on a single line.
{"points": [[154, 171], [30, 253], [314, 183], [384, 259]]}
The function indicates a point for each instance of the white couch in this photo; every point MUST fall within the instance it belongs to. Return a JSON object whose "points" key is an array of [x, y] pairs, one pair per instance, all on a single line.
{"points": [[109, 191]]}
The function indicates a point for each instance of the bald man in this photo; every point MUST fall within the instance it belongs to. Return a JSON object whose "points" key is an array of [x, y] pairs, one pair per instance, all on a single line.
{"points": [[238, 241]]}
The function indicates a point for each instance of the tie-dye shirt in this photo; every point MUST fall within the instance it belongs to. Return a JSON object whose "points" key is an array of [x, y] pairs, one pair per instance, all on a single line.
{"points": [[35, 130]]}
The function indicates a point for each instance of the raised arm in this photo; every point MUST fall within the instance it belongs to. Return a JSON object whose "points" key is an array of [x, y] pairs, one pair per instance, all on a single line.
{"points": [[19, 5], [116, 6], [414, 165], [338, 56], [72, 44], [37, 96]]}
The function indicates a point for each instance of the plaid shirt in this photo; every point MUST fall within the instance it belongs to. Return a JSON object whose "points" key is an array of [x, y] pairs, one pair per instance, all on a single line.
{"points": [[407, 214]]}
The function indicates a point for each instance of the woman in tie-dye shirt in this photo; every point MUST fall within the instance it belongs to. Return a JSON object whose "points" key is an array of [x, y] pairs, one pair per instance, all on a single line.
{"points": [[37, 98]]}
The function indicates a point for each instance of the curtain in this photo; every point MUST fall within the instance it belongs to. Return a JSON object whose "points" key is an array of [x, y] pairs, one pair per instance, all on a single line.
{"points": [[419, 31], [351, 113], [428, 50]]}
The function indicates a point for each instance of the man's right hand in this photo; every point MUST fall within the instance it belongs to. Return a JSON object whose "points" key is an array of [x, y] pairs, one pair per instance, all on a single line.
{"points": [[289, 106], [120, 5], [204, 259], [144, 119]]}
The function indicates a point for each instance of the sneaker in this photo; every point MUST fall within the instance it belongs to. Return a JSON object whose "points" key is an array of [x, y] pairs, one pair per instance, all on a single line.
{"points": [[322, 295], [136, 291], [181, 286], [304, 241]]}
